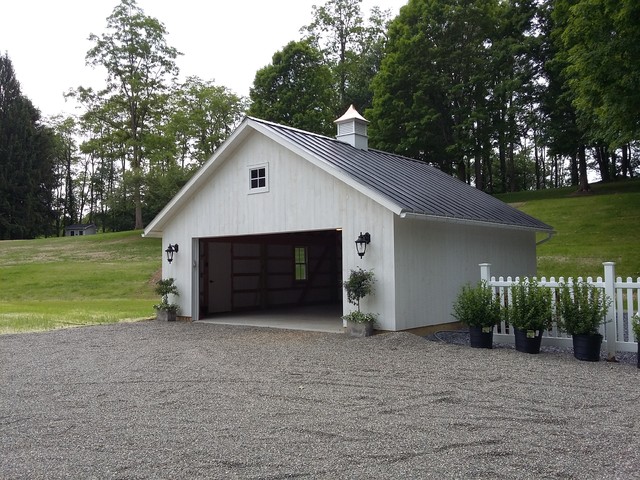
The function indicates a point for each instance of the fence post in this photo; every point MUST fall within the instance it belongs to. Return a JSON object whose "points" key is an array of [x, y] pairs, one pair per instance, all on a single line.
{"points": [[485, 272], [610, 294]]}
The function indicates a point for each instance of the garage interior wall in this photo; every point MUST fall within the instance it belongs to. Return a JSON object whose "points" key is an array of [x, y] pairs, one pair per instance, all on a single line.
{"points": [[263, 271]]}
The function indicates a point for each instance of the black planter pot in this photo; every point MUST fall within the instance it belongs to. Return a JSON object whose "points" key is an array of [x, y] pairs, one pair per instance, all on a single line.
{"points": [[528, 341], [480, 339], [587, 347]]}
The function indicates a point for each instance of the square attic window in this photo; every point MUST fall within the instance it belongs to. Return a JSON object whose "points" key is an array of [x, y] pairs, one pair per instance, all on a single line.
{"points": [[259, 178]]}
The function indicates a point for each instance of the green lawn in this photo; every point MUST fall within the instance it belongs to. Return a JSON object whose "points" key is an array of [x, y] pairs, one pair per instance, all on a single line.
{"points": [[58, 282], [591, 229]]}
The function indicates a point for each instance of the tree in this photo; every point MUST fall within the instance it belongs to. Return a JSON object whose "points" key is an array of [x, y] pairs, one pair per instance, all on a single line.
{"points": [[27, 177], [430, 94], [201, 116], [139, 66], [603, 67], [352, 48], [295, 90], [66, 159]]}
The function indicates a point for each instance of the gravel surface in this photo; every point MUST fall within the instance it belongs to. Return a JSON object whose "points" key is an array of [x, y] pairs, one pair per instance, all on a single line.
{"points": [[179, 400]]}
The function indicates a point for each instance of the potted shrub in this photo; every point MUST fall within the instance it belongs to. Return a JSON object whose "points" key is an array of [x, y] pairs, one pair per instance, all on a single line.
{"points": [[635, 325], [582, 308], [529, 313], [359, 285], [166, 311], [477, 308]]}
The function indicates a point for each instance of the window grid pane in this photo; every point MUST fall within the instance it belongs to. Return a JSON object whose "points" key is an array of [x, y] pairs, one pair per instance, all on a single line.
{"points": [[300, 258]]}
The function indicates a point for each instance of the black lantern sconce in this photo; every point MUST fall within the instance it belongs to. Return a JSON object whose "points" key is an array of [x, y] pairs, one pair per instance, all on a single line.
{"points": [[171, 249], [361, 243]]}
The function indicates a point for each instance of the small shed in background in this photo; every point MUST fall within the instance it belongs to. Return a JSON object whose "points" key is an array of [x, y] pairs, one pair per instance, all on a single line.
{"points": [[80, 229]]}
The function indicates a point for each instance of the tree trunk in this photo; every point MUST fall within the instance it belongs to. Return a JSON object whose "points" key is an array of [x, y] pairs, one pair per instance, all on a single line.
{"points": [[582, 161], [574, 169]]}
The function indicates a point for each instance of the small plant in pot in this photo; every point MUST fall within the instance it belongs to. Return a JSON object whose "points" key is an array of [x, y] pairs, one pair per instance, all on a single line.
{"points": [[530, 314], [635, 325], [359, 285], [582, 308], [477, 308], [166, 311]]}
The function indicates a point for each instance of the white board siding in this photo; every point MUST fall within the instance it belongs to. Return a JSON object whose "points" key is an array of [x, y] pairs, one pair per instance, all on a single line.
{"points": [[301, 197], [434, 259]]}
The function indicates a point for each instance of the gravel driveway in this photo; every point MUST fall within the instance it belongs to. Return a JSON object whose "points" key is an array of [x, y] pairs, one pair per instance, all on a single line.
{"points": [[178, 400]]}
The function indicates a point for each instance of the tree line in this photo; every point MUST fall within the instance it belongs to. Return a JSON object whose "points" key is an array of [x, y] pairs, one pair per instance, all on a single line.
{"points": [[506, 95]]}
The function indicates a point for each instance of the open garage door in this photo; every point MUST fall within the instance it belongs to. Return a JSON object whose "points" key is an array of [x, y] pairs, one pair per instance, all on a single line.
{"points": [[260, 272]]}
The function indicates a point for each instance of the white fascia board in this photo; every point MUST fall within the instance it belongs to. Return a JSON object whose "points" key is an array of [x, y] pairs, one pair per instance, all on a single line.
{"points": [[438, 218], [330, 169], [155, 227]]}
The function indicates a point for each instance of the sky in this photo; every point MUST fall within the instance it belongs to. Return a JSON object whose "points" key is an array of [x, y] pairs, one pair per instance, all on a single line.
{"points": [[226, 41]]}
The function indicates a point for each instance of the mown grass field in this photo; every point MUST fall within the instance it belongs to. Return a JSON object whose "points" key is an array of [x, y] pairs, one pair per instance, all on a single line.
{"points": [[591, 228], [60, 282]]}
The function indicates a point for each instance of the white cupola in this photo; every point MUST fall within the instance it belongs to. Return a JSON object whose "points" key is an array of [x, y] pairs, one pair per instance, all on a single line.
{"points": [[352, 129]]}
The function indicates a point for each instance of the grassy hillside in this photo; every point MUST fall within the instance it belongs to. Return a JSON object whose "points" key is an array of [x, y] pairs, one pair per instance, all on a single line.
{"points": [[58, 282], [591, 229]]}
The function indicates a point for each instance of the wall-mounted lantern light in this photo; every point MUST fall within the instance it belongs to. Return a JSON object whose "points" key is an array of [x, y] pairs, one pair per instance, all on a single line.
{"points": [[361, 243], [171, 249]]}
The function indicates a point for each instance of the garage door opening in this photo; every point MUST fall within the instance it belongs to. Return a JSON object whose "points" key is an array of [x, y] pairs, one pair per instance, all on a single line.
{"points": [[265, 273]]}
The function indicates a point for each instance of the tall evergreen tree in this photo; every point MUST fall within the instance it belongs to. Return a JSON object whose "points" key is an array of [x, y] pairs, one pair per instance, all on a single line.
{"points": [[27, 176]]}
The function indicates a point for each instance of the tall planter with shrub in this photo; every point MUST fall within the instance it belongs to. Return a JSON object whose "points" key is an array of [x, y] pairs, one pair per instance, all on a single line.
{"points": [[530, 313], [582, 308], [477, 308], [359, 285], [165, 310]]}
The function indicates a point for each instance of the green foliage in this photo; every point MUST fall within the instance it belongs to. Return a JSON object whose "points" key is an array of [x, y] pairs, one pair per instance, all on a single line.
{"points": [[359, 317], [635, 325], [476, 306], [359, 285], [295, 89], [27, 149], [582, 308], [455, 81], [530, 307], [66, 281], [201, 116], [164, 288], [352, 48], [139, 66], [601, 39]]}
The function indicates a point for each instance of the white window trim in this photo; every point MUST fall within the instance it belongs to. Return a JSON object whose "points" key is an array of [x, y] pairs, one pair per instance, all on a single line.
{"points": [[264, 189]]}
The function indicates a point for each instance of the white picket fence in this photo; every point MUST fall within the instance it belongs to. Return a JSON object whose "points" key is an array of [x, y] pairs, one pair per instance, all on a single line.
{"points": [[617, 332]]}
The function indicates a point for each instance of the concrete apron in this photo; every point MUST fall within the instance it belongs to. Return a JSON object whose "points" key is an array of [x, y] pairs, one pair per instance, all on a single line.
{"points": [[316, 318]]}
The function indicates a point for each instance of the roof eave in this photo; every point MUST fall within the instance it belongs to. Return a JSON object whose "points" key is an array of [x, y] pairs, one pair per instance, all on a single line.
{"points": [[448, 219], [155, 227]]}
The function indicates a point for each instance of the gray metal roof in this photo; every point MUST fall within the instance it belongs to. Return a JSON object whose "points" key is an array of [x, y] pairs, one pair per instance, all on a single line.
{"points": [[416, 187]]}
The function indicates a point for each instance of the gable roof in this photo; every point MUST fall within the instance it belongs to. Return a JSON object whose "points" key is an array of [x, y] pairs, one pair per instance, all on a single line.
{"points": [[414, 186], [405, 186], [80, 226]]}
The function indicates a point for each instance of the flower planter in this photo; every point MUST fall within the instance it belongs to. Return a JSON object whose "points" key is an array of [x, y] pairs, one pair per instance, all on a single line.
{"points": [[165, 316], [358, 329], [481, 337], [587, 347], [528, 341]]}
